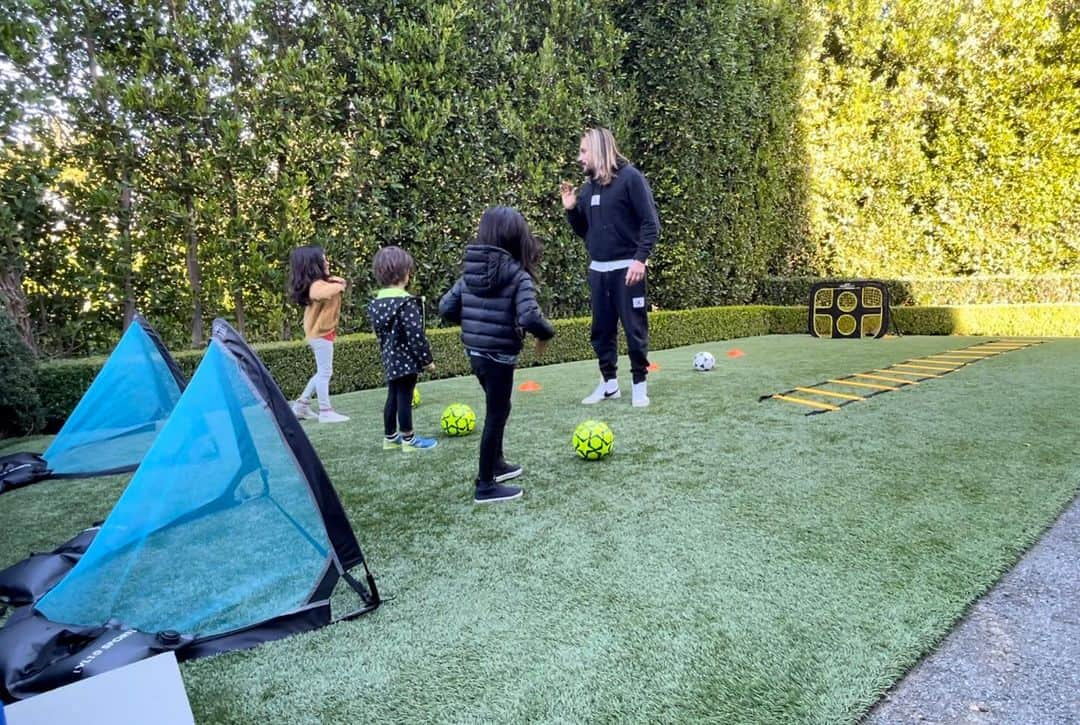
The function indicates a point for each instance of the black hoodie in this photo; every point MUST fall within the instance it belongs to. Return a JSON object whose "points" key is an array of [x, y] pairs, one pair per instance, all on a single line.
{"points": [[495, 302], [617, 221]]}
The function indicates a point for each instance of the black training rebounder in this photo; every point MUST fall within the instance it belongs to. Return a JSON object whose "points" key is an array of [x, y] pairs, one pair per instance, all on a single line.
{"points": [[849, 310]]}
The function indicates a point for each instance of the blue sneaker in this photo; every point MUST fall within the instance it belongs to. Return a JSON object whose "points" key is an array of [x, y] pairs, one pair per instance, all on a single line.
{"points": [[417, 443], [392, 444]]}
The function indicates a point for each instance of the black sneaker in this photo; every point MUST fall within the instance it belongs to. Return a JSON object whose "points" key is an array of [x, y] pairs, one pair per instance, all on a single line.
{"points": [[494, 492], [505, 471]]}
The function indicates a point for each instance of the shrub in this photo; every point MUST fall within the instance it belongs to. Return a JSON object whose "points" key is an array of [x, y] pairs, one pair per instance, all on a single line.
{"points": [[1034, 320], [20, 406], [1015, 289], [357, 365]]}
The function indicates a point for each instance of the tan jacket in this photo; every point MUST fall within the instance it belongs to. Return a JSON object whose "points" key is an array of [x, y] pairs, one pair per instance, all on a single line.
{"points": [[321, 316]]}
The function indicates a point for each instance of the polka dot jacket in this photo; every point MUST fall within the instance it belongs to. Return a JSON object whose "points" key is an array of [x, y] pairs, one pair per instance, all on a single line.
{"points": [[398, 321]]}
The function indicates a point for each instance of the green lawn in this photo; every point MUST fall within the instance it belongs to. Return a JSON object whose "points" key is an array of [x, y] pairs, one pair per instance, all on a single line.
{"points": [[733, 561]]}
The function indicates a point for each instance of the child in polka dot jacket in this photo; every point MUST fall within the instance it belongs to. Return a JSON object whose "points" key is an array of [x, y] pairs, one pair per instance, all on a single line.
{"points": [[398, 320]]}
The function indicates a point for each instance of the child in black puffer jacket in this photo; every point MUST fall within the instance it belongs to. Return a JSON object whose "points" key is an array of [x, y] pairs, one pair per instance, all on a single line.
{"points": [[495, 303]]}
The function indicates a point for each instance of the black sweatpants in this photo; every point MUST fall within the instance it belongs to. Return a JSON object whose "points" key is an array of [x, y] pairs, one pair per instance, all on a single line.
{"points": [[497, 380], [397, 413], [613, 301]]}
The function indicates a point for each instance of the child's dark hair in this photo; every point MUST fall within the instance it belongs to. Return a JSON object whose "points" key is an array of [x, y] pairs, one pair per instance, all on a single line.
{"points": [[306, 264], [504, 227], [392, 265]]}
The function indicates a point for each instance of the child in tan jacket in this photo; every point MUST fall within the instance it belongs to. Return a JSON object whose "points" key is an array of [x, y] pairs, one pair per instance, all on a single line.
{"points": [[311, 285]]}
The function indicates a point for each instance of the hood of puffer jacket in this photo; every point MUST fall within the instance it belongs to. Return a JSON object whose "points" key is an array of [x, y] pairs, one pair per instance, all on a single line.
{"points": [[488, 269]]}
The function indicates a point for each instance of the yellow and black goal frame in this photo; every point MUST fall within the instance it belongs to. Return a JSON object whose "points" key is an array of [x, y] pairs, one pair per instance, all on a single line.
{"points": [[849, 310]]}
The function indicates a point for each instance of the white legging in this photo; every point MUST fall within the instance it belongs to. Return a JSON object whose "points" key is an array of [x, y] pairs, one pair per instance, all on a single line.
{"points": [[324, 368]]}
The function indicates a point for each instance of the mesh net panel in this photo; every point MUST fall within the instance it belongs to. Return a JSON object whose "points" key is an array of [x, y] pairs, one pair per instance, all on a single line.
{"points": [[845, 324], [217, 529], [121, 413]]}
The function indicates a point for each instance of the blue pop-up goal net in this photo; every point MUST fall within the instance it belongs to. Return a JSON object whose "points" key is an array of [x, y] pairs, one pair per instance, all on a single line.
{"points": [[115, 421]]}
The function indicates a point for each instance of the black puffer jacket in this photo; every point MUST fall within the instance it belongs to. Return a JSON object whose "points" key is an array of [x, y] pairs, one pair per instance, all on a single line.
{"points": [[495, 302]]}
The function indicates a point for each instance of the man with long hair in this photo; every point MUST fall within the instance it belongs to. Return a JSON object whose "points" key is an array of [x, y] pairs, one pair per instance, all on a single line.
{"points": [[615, 214]]}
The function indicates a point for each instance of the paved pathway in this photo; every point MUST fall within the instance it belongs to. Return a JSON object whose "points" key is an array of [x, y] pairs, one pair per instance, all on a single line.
{"points": [[1015, 658]]}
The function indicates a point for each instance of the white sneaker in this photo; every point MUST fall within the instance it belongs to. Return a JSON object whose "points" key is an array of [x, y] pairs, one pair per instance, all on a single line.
{"points": [[606, 390], [641, 398], [331, 416], [302, 410]]}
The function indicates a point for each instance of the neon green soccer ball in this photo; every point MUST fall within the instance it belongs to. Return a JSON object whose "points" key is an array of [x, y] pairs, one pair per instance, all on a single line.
{"points": [[593, 440], [415, 397], [458, 420]]}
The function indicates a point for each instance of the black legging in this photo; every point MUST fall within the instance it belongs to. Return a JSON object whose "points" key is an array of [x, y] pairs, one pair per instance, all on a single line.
{"points": [[497, 380], [397, 413]]}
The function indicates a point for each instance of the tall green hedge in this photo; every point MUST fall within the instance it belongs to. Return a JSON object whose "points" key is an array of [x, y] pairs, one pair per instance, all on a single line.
{"points": [[717, 133], [841, 137], [942, 137]]}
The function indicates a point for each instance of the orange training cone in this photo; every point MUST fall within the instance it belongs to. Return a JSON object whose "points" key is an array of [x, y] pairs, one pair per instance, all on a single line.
{"points": [[529, 386], [735, 352]]}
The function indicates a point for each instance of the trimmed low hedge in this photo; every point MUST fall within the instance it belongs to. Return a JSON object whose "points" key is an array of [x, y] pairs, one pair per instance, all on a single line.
{"points": [[1034, 320], [940, 291], [357, 366]]}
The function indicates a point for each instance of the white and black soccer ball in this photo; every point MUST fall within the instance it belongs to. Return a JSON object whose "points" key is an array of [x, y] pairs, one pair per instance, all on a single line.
{"points": [[704, 361]]}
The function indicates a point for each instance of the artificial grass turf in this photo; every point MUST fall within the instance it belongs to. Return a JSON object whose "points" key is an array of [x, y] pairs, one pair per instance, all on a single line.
{"points": [[734, 561]]}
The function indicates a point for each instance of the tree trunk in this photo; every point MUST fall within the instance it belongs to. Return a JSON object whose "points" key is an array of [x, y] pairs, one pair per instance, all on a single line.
{"points": [[14, 301], [236, 76], [194, 273], [238, 303], [122, 140], [125, 248], [286, 323], [187, 191], [238, 251]]}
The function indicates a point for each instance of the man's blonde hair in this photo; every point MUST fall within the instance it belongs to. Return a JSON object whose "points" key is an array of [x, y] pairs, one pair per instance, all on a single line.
{"points": [[604, 154]]}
